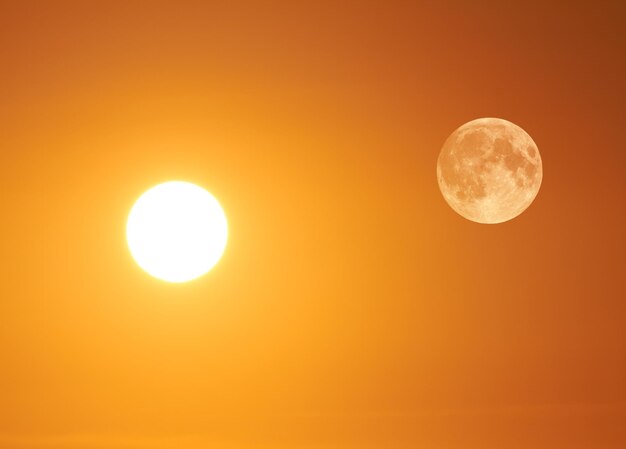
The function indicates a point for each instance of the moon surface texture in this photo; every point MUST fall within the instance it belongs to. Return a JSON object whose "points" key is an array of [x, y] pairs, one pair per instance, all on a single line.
{"points": [[489, 170]]}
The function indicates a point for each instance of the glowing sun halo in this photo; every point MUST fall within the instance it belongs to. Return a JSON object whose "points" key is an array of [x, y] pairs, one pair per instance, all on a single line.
{"points": [[177, 231]]}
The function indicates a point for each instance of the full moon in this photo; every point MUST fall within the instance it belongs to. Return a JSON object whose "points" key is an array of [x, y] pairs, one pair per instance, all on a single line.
{"points": [[177, 231], [489, 170]]}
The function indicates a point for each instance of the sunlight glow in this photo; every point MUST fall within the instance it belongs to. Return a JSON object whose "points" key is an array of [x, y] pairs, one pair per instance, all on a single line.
{"points": [[177, 231]]}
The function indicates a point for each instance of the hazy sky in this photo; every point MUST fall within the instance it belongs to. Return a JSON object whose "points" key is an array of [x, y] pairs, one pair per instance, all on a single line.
{"points": [[353, 308]]}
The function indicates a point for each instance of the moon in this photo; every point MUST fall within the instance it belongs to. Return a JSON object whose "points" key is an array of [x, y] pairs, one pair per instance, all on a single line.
{"points": [[489, 170], [177, 231]]}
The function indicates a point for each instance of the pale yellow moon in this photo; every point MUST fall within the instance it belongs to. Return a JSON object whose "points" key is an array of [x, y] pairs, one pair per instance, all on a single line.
{"points": [[489, 170], [177, 231]]}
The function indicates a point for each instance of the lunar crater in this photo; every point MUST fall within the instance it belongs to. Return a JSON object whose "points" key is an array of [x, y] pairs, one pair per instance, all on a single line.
{"points": [[489, 170]]}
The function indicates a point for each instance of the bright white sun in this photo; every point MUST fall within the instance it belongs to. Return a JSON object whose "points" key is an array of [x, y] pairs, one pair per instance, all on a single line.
{"points": [[177, 231]]}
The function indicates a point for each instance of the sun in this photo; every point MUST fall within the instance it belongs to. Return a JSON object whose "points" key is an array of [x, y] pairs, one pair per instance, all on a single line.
{"points": [[177, 231]]}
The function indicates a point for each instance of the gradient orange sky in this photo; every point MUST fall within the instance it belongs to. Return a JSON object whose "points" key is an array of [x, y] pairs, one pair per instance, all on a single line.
{"points": [[353, 308]]}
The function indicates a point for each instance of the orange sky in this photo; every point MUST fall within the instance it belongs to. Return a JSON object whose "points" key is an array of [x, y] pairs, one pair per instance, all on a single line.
{"points": [[353, 308]]}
